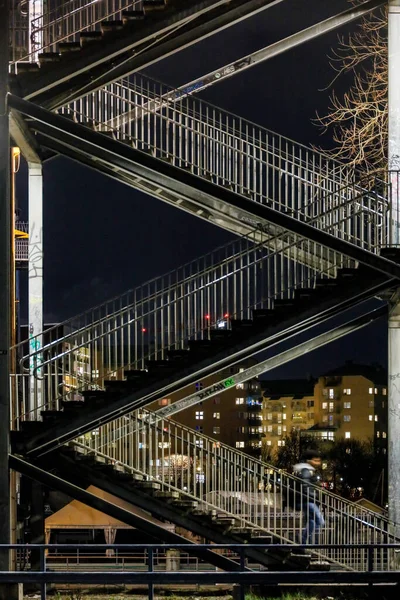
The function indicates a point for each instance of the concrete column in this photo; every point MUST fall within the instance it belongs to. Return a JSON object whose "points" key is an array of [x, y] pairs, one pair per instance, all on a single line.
{"points": [[35, 283], [394, 317]]}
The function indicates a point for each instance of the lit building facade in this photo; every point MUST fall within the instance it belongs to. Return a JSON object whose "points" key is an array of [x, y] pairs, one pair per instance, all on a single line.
{"points": [[233, 418], [351, 403], [287, 405]]}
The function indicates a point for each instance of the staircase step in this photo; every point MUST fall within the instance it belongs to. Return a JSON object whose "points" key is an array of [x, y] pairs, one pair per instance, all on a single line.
{"points": [[326, 283], [390, 252], [72, 405], [47, 58], [90, 37], [68, 48], [178, 355], [167, 494], [136, 374], [148, 485], [263, 315], [242, 325], [220, 334], [27, 67], [130, 16], [186, 504], [284, 304], [305, 293], [347, 273], [111, 26], [150, 6]]}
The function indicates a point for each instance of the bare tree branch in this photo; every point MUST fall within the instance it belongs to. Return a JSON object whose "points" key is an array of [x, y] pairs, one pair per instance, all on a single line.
{"points": [[358, 119]]}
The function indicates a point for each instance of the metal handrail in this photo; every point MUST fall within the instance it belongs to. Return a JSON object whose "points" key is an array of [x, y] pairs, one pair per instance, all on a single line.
{"points": [[223, 479]]}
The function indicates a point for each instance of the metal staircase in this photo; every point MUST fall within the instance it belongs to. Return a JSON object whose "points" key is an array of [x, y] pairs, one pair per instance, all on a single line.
{"points": [[313, 248]]}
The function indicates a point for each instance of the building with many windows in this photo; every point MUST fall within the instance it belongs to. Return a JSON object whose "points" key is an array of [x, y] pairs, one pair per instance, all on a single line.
{"points": [[233, 418], [351, 402], [287, 405]]}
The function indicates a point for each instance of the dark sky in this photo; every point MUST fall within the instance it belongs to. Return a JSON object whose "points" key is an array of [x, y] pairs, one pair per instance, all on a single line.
{"points": [[102, 238]]}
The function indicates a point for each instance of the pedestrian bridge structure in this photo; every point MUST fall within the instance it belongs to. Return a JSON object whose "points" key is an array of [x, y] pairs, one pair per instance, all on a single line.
{"points": [[315, 244]]}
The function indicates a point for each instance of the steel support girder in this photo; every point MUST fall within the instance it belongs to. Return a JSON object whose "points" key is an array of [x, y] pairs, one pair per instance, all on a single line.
{"points": [[251, 60], [44, 442], [273, 362], [246, 578], [79, 473], [98, 148], [78, 493], [125, 54]]}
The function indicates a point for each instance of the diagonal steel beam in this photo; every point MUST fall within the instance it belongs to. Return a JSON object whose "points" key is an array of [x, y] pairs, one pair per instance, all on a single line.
{"points": [[128, 53], [57, 483], [251, 60], [160, 174], [270, 363]]}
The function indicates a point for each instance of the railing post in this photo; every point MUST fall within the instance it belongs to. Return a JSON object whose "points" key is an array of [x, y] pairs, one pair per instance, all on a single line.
{"points": [[150, 554], [242, 593], [43, 586]]}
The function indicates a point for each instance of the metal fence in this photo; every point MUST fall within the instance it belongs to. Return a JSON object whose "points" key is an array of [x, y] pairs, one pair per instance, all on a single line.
{"points": [[224, 481]]}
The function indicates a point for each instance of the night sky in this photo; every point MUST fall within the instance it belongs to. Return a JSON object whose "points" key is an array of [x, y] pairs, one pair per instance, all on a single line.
{"points": [[102, 238]]}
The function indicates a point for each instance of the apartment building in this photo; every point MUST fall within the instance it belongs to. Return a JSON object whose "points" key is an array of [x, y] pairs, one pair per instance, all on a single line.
{"points": [[351, 402], [233, 418], [287, 405]]}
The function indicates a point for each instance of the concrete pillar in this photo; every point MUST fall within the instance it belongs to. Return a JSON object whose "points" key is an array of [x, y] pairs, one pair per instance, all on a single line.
{"points": [[394, 317], [35, 283]]}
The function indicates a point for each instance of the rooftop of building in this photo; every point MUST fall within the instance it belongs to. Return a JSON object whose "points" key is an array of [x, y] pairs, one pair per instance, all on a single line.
{"points": [[296, 388], [374, 372]]}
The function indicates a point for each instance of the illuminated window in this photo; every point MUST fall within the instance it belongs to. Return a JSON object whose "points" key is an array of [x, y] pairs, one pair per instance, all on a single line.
{"points": [[199, 443], [216, 429], [281, 442], [239, 401], [284, 416], [384, 434], [347, 418], [239, 444], [331, 406], [284, 428], [384, 391], [216, 415], [199, 386], [269, 416], [370, 390], [331, 393], [347, 435], [142, 445], [199, 415], [324, 406], [279, 430], [346, 404], [370, 417], [376, 418], [347, 392], [269, 443], [378, 434], [269, 429], [240, 386], [324, 418]]}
